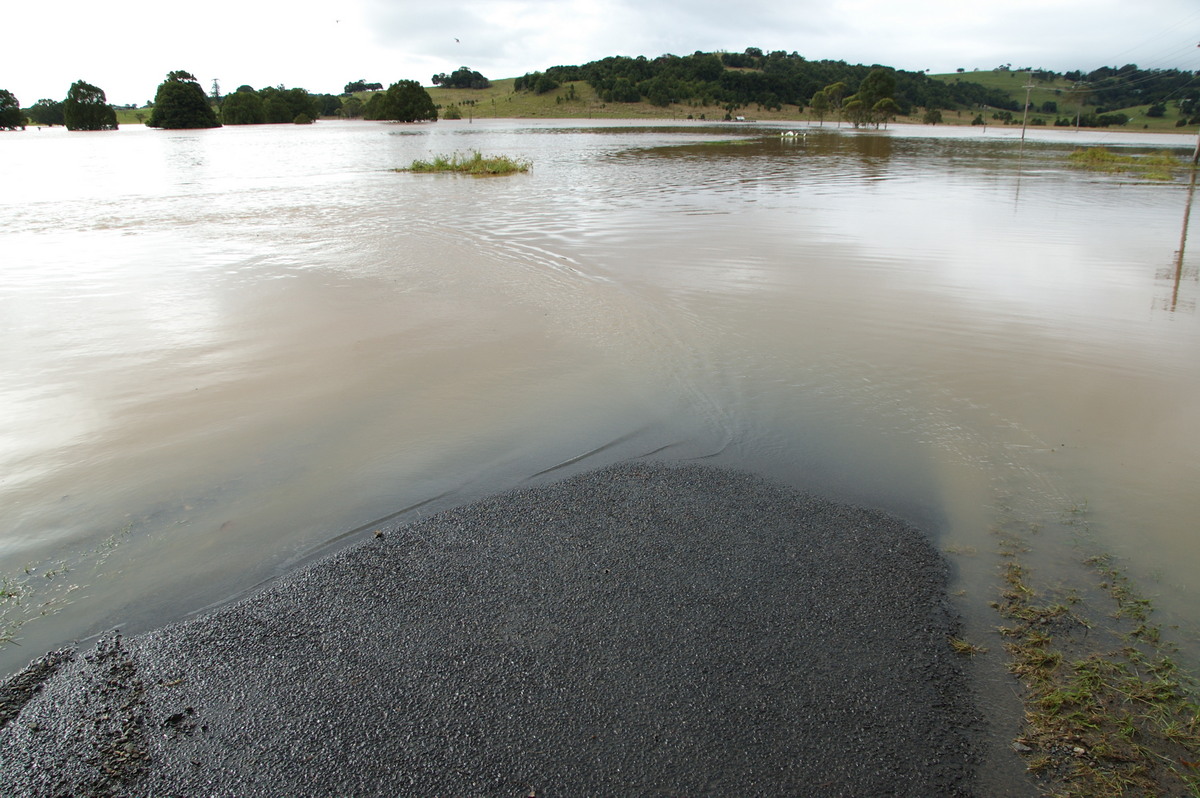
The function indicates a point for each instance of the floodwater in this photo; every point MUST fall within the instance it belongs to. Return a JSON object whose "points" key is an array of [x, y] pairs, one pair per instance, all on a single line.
{"points": [[225, 352]]}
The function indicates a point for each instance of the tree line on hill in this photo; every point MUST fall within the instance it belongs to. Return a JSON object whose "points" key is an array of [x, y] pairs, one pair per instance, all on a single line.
{"points": [[1123, 87], [772, 80], [854, 92], [740, 80]]}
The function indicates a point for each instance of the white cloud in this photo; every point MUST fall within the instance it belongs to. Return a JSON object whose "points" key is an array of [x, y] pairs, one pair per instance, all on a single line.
{"points": [[127, 47]]}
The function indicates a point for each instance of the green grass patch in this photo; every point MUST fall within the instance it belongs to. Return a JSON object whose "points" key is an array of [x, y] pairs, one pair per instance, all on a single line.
{"points": [[578, 100], [1152, 166], [1100, 721], [133, 116], [44, 588], [474, 164], [965, 648]]}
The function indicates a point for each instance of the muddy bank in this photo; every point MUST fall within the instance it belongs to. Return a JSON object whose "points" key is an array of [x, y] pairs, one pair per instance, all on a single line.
{"points": [[642, 629]]}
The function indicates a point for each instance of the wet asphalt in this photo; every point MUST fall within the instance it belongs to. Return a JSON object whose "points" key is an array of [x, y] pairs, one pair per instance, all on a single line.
{"points": [[641, 630]]}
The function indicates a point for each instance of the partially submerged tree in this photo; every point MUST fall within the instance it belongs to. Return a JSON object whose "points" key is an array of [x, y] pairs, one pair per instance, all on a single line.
{"points": [[820, 106], [181, 103], [284, 105], [835, 92], [243, 107], [404, 101], [11, 116], [873, 103], [46, 112], [884, 110], [86, 108]]}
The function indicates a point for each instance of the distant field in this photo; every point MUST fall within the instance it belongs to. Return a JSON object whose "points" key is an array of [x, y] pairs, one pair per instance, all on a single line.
{"points": [[578, 100], [130, 116], [500, 101]]}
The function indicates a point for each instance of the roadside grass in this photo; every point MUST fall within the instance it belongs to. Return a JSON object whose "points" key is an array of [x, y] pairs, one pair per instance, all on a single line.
{"points": [[1108, 712], [474, 164]]}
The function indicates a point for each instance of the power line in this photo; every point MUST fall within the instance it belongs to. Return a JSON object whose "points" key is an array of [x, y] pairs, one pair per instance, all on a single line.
{"points": [[1169, 30]]}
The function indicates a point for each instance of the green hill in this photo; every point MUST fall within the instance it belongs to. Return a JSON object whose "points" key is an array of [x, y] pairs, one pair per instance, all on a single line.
{"points": [[781, 86], [1069, 99], [577, 100]]}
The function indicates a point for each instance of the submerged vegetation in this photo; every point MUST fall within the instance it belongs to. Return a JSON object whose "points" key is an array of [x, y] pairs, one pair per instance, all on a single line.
{"points": [[1108, 712], [474, 164], [1154, 166], [44, 588]]}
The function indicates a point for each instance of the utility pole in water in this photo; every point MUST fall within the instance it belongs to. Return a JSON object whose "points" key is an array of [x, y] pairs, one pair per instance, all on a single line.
{"points": [[1196, 154], [1025, 116]]}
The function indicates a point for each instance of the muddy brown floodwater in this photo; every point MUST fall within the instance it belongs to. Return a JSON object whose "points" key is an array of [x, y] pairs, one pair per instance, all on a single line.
{"points": [[226, 351]]}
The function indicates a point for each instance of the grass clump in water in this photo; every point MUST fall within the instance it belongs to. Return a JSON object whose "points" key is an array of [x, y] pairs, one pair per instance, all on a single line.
{"points": [[1155, 166], [474, 164], [1121, 721]]}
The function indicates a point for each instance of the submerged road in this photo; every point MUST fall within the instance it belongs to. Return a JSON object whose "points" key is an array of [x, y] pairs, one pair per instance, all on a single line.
{"points": [[644, 629]]}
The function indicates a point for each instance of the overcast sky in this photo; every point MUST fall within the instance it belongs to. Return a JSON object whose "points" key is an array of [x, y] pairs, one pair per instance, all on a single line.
{"points": [[126, 47]]}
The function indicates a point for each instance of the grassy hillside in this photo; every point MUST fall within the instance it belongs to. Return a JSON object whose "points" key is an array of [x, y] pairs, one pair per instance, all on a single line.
{"points": [[573, 100], [578, 100], [1059, 91], [133, 116]]}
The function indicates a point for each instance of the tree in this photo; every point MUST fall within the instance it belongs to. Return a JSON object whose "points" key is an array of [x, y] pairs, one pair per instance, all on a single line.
{"points": [[181, 104], [374, 107], [361, 85], [87, 109], [462, 78], [884, 110], [820, 106], [327, 104], [352, 108], [835, 92], [855, 111], [623, 91], [277, 110], [284, 105], [243, 107], [933, 116], [46, 112], [873, 103], [878, 84], [11, 117], [404, 101]]}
